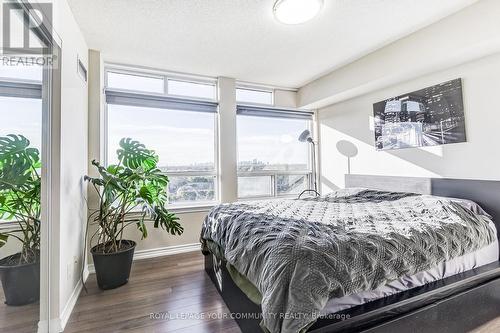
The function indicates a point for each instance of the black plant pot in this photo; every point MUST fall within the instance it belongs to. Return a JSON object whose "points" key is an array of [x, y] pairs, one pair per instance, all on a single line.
{"points": [[21, 283], [113, 269]]}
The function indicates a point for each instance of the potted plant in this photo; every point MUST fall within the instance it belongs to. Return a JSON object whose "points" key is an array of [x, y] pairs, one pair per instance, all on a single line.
{"points": [[130, 193], [20, 186]]}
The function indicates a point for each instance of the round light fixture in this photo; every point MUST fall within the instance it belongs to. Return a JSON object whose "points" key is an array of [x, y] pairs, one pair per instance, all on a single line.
{"points": [[296, 11]]}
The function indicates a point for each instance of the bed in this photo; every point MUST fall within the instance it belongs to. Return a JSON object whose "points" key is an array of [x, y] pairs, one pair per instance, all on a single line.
{"points": [[353, 259]]}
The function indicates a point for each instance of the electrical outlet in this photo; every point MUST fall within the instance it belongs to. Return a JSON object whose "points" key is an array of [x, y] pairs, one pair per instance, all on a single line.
{"points": [[71, 267]]}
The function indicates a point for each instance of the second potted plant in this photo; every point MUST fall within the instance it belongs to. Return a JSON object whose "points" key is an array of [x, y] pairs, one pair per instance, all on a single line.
{"points": [[130, 193], [20, 186]]}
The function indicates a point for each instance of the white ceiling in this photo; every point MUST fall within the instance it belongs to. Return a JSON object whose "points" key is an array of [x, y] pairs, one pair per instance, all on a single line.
{"points": [[241, 38]]}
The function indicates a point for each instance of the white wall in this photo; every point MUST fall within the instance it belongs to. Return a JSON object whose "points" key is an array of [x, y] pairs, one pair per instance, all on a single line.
{"points": [[159, 239], [352, 121], [285, 98]]}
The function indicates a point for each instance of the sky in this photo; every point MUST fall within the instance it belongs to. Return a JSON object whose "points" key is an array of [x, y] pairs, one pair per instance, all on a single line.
{"points": [[21, 115], [271, 140], [178, 137], [186, 138]]}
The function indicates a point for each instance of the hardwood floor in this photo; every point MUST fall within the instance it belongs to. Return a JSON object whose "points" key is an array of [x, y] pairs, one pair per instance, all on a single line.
{"points": [[18, 319], [167, 294]]}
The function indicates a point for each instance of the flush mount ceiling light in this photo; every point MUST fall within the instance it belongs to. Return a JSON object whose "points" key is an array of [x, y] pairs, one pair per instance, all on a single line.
{"points": [[296, 11]]}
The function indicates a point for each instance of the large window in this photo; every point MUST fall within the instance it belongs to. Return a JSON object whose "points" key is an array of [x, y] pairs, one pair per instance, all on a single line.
{"points": [[182, 131], [271, 160], [21, 102], [151, 84], [22, 116]]}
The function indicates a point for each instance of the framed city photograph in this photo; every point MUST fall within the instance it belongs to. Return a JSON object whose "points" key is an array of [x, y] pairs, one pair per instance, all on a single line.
{"points": [[427, 117]]}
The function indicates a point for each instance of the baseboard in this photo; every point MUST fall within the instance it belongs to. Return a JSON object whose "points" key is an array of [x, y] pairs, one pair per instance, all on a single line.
{"points": [[58, 324], [159, 252], [55, 325], [68, 309]]}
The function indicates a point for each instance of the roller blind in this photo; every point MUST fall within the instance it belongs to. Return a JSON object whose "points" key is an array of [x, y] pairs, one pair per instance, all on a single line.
{"points": [[257, 111], [18, 89], [159, 102]]}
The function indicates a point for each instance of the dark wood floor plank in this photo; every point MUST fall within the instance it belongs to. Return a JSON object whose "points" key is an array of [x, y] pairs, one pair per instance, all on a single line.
{"points": [[176, 285]]}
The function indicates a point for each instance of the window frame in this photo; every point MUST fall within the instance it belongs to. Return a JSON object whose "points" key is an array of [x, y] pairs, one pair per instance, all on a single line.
{"points": [[134, 73], [165, 76], [192, 206], [250, 87], [273, 174], [188, 80], [274, 184]]}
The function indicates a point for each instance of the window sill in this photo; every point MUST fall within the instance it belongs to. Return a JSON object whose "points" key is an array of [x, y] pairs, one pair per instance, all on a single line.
{"points": [[7, 225], [289, 196], [194, 208], [182, 209]]}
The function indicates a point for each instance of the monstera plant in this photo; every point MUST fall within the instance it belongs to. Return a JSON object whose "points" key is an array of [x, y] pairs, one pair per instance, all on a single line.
{"points": [[130, 193], [20, 186]]}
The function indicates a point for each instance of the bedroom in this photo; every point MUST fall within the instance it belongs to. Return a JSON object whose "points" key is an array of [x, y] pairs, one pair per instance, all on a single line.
{"points": [[337, 158]]}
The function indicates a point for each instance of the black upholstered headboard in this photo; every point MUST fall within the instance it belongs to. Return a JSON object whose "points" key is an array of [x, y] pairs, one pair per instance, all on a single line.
{"points": [[485, 193]]}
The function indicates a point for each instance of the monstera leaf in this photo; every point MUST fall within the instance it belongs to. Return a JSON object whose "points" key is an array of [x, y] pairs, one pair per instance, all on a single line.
{"points": [[17, 161], [133, 154], [15, 149], [149, 193], [14, 175], [167, 221]]}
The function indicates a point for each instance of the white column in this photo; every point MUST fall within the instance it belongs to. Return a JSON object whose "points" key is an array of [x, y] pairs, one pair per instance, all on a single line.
{"points": [[96, 108], [95, 130], [227, 140]]}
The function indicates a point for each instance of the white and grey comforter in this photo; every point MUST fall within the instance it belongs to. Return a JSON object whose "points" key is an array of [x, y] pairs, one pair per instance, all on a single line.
{"points": [[301, 253]]}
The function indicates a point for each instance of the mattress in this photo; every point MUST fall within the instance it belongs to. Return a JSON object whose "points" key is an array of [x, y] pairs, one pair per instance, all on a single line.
{"points": [[478, 258]]}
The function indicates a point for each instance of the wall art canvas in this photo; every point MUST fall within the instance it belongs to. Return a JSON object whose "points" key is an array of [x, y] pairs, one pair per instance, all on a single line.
{"points": [[427, 117]]}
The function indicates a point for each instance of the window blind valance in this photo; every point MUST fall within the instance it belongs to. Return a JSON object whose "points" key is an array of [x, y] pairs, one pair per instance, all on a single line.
{"points": [[257, 111], [159, 102], [20, 89]]}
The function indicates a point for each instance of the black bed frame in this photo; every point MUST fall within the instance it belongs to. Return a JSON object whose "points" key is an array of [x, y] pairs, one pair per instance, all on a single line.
{"points": [[455, 304]]}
